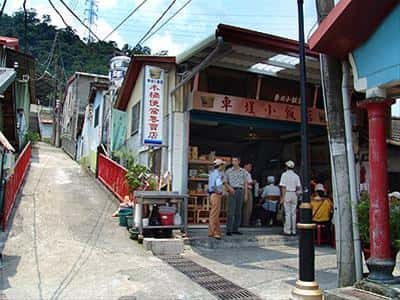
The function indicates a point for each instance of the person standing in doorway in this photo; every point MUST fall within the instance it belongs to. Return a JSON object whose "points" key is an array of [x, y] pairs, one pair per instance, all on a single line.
{"points": [[290, 184], [237, 179], [216, 183], [271, 196], [248, 205]]}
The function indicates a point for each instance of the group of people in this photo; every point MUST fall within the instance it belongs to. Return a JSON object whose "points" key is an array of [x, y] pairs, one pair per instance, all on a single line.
{"points": [[239, 186]]}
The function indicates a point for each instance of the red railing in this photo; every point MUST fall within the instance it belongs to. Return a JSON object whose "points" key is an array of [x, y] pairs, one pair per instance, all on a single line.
{"points": [[14, 182], [112, 175]]}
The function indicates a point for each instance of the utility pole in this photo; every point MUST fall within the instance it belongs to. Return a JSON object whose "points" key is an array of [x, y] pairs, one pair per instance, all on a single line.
{"points": [[54, 106], [57, 108], [331, 76]]}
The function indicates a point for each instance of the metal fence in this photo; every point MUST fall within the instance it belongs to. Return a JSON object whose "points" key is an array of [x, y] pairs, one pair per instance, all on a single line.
{"points": [[112, 175], [14, 182]]}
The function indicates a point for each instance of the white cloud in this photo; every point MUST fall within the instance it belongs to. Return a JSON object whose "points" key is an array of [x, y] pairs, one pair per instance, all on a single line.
{"points": [[165, 42], [103, 28], [13, 6]]}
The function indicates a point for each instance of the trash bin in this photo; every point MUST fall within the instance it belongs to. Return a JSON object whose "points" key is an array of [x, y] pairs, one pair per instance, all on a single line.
{"points": [[123, 213]]}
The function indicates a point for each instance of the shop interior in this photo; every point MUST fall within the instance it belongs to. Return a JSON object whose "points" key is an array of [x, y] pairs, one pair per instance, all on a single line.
{"points": [[266, 144]]}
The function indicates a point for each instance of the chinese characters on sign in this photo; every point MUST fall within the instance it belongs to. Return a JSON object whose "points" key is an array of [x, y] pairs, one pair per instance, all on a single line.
{"points": [[255, 108], [153, 106]]}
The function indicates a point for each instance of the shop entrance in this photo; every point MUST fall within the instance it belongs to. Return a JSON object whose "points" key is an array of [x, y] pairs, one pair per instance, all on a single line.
{"points": [[266, 144]]}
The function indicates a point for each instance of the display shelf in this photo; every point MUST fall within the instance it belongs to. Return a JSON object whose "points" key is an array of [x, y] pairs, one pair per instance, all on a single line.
{"points": [[163, 227], [198, 195], [200, 162], [198, 179]]}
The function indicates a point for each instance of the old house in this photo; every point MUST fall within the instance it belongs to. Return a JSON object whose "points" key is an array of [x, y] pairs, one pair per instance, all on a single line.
{"points": [[92, 130], [17, 90], [76, 100]]}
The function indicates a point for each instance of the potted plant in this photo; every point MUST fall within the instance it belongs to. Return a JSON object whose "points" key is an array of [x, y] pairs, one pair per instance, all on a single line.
{"points": [[139, 178], [363, 222]]}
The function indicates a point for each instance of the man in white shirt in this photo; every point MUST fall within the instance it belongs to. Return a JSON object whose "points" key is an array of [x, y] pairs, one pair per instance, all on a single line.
{"points": [[290, 184], [271, 196]]}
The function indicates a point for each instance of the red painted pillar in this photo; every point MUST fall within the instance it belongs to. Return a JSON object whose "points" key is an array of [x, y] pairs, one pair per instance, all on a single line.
{"points": [[380, 263]]}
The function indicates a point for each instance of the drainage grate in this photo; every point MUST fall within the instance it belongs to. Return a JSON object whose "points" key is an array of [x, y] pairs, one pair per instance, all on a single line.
{"points": [[217, 285]]}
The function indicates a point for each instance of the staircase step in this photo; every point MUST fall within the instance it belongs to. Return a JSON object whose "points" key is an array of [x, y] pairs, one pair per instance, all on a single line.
{"points": [[252, 237], [351, 293]]}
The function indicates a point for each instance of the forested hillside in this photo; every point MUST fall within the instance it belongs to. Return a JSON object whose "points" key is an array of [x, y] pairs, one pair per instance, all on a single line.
{"points": [[70, 53]]}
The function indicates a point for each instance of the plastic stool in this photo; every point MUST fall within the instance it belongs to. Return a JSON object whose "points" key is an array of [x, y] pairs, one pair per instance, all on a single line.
{"points": [[321, 238], [333, 237]]}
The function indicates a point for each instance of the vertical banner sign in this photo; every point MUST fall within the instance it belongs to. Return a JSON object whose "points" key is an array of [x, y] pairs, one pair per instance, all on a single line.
{"points": [[153, 106]]}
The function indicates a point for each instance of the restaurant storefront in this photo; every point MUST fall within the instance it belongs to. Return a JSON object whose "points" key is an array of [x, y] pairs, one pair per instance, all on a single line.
{"points": [[233, 94], [245, 103]]}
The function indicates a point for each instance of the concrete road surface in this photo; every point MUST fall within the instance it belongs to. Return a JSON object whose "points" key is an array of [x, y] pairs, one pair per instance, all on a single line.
{"points": [[63, 243]]}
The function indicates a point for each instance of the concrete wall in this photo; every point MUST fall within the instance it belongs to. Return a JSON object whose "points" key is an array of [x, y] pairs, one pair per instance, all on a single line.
{"points": [[74, 106], [134, 141], [91, 135], [46, 131]]}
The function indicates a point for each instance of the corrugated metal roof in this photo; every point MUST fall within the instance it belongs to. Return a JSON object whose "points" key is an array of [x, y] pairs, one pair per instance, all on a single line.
{"points": [[5, 143], [255, 52], [7, 76]]}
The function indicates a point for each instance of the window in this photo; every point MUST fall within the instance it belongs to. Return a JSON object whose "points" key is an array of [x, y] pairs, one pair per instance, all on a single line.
{"points": [[135, 118], [96, 116]]}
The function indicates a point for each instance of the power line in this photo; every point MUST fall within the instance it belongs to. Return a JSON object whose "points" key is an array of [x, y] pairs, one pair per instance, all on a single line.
{"points": [[156, 22], [58, 13], [50, 58], [167, 21], [126, 18], [80, 21], [2, 7], [74, 4]]}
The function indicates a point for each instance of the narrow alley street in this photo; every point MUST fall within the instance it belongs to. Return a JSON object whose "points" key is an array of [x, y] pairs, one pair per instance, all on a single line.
{"points": [[63, 243]]}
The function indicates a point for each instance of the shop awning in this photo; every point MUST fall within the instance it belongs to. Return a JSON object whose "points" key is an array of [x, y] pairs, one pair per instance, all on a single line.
{"points": [[7, 76], [255, 52], [210, 118]]}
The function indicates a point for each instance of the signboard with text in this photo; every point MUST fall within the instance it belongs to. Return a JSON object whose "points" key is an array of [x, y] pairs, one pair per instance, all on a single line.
{"points": [[255, 108], [153, 97]]}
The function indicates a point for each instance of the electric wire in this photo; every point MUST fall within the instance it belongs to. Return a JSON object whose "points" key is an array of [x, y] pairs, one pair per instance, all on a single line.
{"points": [[155, 23], [50, 59], [126, 18], [79, 19], [62, 62], [2, 7], [59, 14], [45, 63], [167, 21]]}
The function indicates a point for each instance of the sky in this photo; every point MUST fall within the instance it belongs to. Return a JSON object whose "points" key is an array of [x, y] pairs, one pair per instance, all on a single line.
{"points": [[195, 22]]}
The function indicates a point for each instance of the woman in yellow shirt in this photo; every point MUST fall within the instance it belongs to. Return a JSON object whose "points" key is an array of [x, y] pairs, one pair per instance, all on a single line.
{"points": [[322, 207]]}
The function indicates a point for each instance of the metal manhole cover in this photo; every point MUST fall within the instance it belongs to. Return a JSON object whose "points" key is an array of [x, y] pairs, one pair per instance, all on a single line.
{"points": [[215, 284]]}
